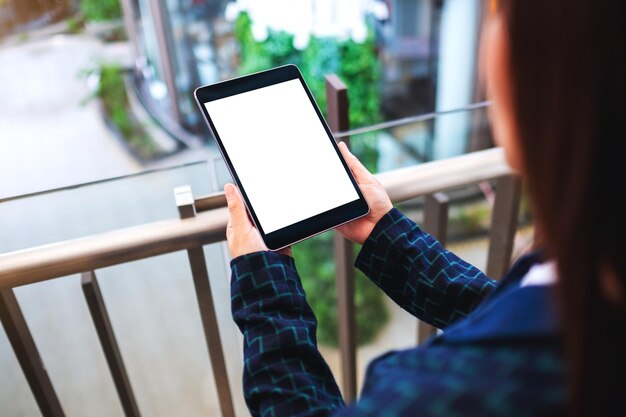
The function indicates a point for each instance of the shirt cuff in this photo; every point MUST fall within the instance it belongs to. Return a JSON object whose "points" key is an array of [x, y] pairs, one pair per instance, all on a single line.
{"points": [[255, 261], [379, 244]]}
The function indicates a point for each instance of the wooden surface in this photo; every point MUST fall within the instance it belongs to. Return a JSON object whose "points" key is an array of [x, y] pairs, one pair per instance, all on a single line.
{"points": [[120, 246]]}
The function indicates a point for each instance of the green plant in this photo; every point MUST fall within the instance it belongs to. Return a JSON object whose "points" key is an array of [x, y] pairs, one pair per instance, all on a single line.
{"points": [[314, 258], [99, 10], [472, 219], [75, 24], [356, 63], [111, 91], [23, 37], [361, 72]]}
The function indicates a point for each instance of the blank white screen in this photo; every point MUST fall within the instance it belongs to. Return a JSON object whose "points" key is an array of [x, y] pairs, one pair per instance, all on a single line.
{"points": [[282, 154]]}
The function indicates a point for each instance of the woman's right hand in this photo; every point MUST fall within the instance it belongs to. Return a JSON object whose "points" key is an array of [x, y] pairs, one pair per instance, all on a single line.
{"points": [[358, 230]]}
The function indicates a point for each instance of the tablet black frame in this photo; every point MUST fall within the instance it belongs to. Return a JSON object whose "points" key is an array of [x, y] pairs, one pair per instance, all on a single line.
{"points": [[308, 227]]}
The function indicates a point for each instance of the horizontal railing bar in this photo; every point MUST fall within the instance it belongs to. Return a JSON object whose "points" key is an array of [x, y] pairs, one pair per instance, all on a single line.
{"points": [[407, 183], [55, 260], [411, 119], [210, 202], [98, 251]]}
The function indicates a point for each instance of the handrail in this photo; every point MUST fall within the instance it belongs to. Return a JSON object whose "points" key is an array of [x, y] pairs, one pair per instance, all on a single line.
{"points": [[412, 119], [70, 257], [96, 182]]}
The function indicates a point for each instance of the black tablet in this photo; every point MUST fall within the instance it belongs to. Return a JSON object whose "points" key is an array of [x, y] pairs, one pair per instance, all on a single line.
{"points": [[281, 154]]}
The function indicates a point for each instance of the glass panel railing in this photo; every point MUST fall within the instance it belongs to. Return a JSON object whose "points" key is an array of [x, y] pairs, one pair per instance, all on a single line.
{"points": [[411, 140], [422, 138], [97, 207], [414, 119]]}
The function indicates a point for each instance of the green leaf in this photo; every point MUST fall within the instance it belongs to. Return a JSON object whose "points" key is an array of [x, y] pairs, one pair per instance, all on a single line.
{"points": [[99, 10]]}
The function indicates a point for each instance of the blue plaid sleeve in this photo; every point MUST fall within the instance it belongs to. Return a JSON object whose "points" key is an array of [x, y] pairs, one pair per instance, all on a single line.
{"points": [[284, 373], [415, 270]]}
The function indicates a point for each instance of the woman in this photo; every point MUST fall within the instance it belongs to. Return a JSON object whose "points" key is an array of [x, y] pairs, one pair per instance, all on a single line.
{"points": [[550, 339]]}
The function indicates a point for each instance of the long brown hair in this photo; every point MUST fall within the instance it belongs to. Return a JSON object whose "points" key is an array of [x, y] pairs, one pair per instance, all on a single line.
{"points": [[568, 71]]}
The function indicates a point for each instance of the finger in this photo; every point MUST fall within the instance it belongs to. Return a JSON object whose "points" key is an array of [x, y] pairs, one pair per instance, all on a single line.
{"points": [[237, 209], [358, 169]]}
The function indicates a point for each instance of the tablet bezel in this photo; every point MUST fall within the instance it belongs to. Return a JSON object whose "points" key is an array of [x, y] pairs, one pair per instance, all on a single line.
{"points": [[303, 229]]}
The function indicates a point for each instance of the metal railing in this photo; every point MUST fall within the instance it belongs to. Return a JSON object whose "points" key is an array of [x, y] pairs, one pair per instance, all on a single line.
{"points": [[202, 221], [412, 119]]}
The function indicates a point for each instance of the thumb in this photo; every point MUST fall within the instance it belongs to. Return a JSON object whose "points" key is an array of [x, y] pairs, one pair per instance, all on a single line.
{"points": [[236, 207], [361, 174]]}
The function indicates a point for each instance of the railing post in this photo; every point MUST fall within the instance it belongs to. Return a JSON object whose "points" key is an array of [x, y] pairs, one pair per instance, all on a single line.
{"points": [[27, 355], [504, 216], [436, 216], [102, 323], [436, 224], [337, 106], [186, 209]]}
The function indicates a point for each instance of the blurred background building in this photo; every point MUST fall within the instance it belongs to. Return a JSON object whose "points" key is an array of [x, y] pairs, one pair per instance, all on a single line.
{"points": [[399, 58], [423, 52]]}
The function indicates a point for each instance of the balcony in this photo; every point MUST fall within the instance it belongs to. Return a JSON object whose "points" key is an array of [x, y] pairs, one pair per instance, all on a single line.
{"points": [[151, 279]]}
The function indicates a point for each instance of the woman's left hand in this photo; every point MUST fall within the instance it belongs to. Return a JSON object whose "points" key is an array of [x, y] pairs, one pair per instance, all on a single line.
{"points": [[243, 238]]}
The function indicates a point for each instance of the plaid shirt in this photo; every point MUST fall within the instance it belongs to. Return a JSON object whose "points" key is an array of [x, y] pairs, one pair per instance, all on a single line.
{"points": [[502, 360]]}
